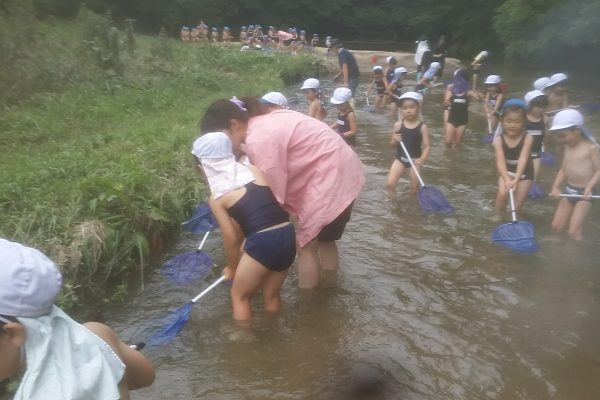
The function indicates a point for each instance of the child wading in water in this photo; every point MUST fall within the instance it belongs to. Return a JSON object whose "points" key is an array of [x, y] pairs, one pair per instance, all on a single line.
{"points": [[415, 135], [457, 100], [311, 90], [345, 124], [580, 169], [379, 83], [513, 149], [494, 98], [248, 214], [536, 102], [395, 91]]}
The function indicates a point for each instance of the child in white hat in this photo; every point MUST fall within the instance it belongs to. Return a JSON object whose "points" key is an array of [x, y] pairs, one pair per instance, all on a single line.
{"points": [[557, 91], [414, 133], [345, 124], [59, 358], [379, 84], [494, 98], [580, 169], [311, 89]]}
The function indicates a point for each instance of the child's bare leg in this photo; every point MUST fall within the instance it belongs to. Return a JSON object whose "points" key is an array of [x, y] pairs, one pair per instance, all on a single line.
{"points": [[501, 196], [308, 265], [249, 276], [523, 188], [414, 182], [272, 290], [459, 135], [561, 215], [329, 256], [394, 175], [449, 134], [536, 168], [580, 212]]}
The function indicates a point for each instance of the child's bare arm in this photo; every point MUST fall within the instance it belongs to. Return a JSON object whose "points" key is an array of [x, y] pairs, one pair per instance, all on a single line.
{"points": [[353, 125], [396, 137], [523, 157], [595, 156], [426, 144], [501, 160]]}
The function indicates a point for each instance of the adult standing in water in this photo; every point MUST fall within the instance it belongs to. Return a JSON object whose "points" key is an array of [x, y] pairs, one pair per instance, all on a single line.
{"points": [[312, 172], [348, 66]]}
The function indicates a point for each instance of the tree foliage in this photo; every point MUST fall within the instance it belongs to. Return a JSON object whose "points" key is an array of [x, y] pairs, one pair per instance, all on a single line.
{"points": [[522, 29]]}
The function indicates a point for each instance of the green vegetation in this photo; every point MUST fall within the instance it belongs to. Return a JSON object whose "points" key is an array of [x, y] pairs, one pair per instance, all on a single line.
{"points": [[549, 32], [95, 133]]}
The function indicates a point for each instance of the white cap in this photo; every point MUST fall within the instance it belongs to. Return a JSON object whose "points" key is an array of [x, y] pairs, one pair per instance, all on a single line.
{"points": [[212, 145], [377, 68], [567, 119], [274, 98], [557, 79], [310, 83], [341, 95], [435, 64], [541, 83], [493, 80], [398, 73], [413, 96], [534, 94], [29, 281]]}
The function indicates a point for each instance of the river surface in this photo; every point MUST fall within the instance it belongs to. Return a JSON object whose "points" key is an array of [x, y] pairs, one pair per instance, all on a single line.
{"points": [[423, 307]]}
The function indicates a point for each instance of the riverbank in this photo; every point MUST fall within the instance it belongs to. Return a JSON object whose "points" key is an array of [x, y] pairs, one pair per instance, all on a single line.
{"points": [[98, 174]]}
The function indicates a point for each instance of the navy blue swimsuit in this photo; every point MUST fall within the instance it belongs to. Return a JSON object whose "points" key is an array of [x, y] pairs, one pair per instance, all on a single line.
{"points": [[343, 126], [412, 139], [256, 211], [512, 154]]}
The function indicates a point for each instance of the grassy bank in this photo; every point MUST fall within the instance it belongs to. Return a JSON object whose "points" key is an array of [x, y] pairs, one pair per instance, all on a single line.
{"points": [[96, 171]]}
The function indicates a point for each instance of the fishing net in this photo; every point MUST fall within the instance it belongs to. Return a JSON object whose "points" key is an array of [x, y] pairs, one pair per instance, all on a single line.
{"points": [[201, 221], [518, 236], [432, 199], [536, 192], [548, 158], [488, 138], [175, 321], [187, 267]]}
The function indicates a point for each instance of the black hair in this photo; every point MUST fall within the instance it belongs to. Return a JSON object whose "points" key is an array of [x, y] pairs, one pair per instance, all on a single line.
{"points": [[219, 114], [541, 101]]}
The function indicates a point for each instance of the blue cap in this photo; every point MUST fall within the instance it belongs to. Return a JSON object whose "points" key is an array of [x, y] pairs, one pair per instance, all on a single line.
{"points": [[514, 103]]}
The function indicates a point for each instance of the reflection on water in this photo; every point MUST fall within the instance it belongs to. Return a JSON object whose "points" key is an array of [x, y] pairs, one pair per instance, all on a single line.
{"points": [[424, 307]]}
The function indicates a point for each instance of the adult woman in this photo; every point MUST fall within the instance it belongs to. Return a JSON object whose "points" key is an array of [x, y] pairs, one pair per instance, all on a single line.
{"points": [[313, 174]]}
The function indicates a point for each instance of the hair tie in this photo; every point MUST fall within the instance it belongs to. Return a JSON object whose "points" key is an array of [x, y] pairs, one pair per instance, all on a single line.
{"points": [[240, 104]]}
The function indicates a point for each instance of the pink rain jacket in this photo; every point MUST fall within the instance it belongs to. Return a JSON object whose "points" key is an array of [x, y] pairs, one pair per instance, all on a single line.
{"points": [[312, 172]]}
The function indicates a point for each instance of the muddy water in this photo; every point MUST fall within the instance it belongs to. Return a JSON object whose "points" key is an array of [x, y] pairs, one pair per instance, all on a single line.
{"points": [[424, 306]]}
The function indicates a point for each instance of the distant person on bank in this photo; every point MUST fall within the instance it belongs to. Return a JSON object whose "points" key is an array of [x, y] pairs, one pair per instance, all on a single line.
{"points": [[348, 66]]}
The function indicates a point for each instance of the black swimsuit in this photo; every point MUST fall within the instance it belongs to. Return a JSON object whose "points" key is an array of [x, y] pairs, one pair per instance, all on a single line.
{"points": [[412, 139], [537, 131], [343, 126], [512, 154], [459, 110]]}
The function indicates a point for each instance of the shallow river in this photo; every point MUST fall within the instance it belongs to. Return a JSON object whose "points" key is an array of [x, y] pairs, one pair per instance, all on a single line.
{"points": [[424, 306]]}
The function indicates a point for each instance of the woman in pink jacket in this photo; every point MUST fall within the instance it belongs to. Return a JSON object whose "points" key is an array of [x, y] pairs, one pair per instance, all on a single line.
{"points": [[313, 174]]}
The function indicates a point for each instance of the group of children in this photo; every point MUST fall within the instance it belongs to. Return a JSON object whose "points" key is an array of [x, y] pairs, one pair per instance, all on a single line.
{"points": [[254, 37], [516, 128]]}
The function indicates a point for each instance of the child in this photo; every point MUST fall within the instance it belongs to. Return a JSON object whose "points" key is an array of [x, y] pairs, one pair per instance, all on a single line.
{"points": [[248, 214], [557, 93], [58, 357], [456, 100], [243, 35], [493, 101], [311, 90], [315, 40], [388, 76], [536, 102], [345, 124], [477, 66], [513, 149], [226, 36], [413, 132], [328, 45], [428, 77], [379, 84], [185, 33], [395, 91], [581, 170], [215, 35]]}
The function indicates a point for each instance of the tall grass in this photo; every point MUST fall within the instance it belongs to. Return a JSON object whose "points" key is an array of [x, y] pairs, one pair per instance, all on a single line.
{"points": [[95, 139]]}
